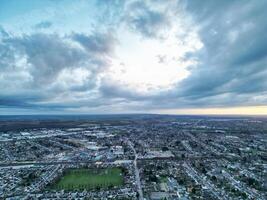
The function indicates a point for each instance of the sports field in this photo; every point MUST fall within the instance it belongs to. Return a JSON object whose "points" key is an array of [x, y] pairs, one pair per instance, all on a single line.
{"points": [[88, 179]]}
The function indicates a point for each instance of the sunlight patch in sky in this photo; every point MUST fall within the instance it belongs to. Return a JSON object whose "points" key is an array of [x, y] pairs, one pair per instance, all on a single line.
{"points": [[148, 65]]}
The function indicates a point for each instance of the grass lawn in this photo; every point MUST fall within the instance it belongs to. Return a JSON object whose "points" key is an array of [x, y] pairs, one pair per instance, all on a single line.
{"points": [[80, 179]]}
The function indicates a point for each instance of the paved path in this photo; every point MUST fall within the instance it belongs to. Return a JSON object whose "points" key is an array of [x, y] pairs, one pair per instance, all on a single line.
{"points": [[137, 176]]}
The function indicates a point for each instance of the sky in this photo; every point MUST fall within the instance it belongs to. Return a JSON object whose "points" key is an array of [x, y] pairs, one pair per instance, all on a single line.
{"points": [[134, 56]]}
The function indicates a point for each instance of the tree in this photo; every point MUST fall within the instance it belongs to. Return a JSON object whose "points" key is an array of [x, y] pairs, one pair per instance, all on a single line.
{"points": [[164, 148], [194, 190], [204, 171]]}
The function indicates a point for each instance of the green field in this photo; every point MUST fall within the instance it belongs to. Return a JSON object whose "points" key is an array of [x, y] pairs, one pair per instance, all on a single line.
{"points": [[88, 179]]}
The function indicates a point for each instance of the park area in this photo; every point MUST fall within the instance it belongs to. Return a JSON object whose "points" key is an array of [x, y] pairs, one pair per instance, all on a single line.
{"points": [[88, 179]]}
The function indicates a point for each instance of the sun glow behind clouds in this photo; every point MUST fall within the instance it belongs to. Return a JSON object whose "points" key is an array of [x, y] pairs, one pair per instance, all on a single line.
{"points": [[150, 65], [248, 110]]}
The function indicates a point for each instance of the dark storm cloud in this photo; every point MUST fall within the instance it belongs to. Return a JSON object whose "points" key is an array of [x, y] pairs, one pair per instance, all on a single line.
{"points": [[97, 44], [29, 101], [13, 102], [46, 54], [31, 104], [43, 25], [234, 56], [3, 33], [110, 89], [143, 19], [37, 60]]}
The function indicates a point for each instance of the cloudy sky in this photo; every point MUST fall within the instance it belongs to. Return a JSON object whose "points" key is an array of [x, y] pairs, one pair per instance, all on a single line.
{"points": [[154, 56]]}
